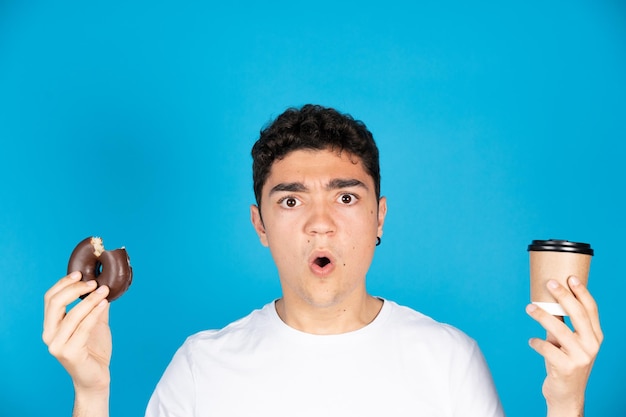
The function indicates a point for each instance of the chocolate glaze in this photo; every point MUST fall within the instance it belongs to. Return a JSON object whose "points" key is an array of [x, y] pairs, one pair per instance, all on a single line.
{"points": [[111, 268]]}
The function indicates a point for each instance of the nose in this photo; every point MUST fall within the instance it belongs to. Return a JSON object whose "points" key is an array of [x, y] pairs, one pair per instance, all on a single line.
{"points": [[320, 221]]}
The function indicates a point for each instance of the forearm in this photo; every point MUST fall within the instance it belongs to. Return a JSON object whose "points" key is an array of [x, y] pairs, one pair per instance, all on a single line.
{"points": [[91, 404], [569, 409], [565, 413]]}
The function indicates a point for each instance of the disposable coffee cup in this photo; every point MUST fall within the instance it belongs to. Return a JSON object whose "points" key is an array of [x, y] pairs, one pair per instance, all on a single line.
{"points": [[557, 260]]}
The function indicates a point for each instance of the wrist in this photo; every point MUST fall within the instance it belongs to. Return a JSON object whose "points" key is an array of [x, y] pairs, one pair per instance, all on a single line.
{"points": [[571, 411], [91, 402]]}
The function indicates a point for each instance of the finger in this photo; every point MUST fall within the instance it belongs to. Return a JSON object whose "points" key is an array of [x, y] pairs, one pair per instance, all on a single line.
{"points": [[552, 339], [70, 286], [59, 345], [559, 335], [56, 305], [61, 330], [61, 284], [82, 334], [591, 307], [76, 315], [104, 317], [576, 311], [552, 354]]}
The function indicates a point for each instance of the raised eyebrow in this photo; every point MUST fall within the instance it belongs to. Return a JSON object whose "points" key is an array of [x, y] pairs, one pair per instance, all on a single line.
{"points": [[339, 183], [293, 187]]}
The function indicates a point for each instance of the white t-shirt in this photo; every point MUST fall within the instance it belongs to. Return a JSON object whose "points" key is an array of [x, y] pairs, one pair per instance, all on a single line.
{"points": [[401, 364]]}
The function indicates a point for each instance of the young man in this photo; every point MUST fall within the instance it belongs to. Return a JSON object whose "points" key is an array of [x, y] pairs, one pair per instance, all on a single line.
{"points": [[326, 347]]}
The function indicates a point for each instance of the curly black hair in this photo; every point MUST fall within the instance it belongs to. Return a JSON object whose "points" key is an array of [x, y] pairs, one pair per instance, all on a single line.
{"points": [[312, 127]]}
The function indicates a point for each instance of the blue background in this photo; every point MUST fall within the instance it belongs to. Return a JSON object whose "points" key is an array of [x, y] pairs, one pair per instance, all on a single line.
{"points": [[498, 123]]}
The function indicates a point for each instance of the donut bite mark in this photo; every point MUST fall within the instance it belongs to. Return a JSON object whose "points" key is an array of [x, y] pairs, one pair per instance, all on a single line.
{"points": [[108, 267]]}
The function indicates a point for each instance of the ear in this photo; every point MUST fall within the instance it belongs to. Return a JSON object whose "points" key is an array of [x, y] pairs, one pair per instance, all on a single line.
{"points": [[382, 212], [257, 223]]}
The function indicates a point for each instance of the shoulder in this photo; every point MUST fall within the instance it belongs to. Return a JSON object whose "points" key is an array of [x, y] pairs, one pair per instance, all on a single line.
{"points": [[413, 325], [255, 323]]}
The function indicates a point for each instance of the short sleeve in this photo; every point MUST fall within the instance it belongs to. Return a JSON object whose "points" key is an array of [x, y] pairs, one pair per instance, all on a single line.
{"points": [[174, 395], [473, 389]]}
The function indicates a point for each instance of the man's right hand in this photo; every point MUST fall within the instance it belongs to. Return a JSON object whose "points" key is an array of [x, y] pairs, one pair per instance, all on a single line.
{"points": [[81, 340]]}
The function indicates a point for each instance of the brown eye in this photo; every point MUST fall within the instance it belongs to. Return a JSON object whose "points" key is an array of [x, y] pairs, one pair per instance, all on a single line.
{"points": [[347, 199], [289, 202]]}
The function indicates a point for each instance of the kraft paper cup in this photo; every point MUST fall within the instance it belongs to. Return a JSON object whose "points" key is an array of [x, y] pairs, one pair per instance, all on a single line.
{"points": [[557, 260]]}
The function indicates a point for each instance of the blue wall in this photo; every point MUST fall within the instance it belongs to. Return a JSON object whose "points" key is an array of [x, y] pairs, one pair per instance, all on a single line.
{"points": [[498, 123]]}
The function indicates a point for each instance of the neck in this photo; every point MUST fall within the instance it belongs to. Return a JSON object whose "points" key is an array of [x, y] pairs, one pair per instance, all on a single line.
{"points": [[343, 317]]}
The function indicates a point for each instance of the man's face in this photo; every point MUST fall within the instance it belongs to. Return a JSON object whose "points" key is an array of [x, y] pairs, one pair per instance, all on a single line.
{"points": [[320, 219]]}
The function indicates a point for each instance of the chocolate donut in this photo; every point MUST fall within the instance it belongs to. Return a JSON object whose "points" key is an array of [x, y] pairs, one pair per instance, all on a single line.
{"points": [[108, 267]]}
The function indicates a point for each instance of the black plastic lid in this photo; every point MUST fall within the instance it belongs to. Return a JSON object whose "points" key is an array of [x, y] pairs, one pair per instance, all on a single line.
{"points": [[555, 245]]}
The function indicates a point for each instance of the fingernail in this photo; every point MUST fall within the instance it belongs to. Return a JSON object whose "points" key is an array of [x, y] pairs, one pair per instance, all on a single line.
{"points": [[574, 281], [553, 284], [530, 308], [101, 289], [75, 275], [92, 283]]}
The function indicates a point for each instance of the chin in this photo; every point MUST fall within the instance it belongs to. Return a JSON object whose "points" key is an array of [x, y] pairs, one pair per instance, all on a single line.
{"points": [[325, 300]]}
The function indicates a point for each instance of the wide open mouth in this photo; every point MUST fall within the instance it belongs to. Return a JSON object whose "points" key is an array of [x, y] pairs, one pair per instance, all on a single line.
{"points": [[322, 261]]}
